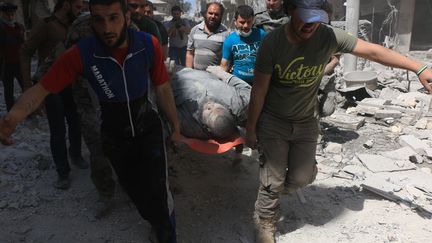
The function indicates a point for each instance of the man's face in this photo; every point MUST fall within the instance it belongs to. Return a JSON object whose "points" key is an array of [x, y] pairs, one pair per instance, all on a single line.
{"points": [[211, 111], [8, 15], [213, 16], [85, 7], [302, 30], [136, 6], [148, 11], [243, 24], [176, 14], [109, 24], [274, 5], [75, 8]]}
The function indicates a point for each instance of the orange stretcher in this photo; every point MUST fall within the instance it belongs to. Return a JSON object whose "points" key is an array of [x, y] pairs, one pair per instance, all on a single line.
{"points": [[212, 146]]}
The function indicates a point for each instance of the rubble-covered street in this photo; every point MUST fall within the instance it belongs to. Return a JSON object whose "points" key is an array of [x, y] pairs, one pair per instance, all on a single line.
{"points": [[374, 182]]}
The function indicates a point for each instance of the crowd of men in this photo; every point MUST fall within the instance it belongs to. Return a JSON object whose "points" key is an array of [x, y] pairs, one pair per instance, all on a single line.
{"points": [[102, 75]]}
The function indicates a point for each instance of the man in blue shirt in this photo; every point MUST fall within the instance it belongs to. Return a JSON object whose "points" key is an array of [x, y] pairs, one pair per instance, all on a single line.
{"points": [[240, 47]]}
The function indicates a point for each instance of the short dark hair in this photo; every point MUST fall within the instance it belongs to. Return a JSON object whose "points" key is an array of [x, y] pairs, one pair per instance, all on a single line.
{"points": [[176, 8], [59, 4], [287, 6], [150, 4], [244, 11], [8, 7], [109, 2], [221, 7]]}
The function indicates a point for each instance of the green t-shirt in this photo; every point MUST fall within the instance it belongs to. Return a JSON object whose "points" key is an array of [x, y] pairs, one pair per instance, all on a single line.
{"points": [[297, 70], [148, 25]]}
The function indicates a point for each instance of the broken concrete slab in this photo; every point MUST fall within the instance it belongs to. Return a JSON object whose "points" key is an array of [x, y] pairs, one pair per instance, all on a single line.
{"points": [[380, 114], [416, 144], [367, 110], [333, 148], [412, 100], [400, 154], [345, 121], [374, 102], [421, 124], [389, 94], [379, 163]]}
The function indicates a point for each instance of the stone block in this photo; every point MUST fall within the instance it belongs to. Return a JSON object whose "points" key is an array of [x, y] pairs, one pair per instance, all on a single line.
{"points": [[416, 144], [380, 114], [379, 163], [345, 121], [402, 153], [333, 148]]}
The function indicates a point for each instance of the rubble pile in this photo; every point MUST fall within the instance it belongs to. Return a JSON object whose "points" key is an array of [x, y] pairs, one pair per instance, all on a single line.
{"points": [[381, 140]]}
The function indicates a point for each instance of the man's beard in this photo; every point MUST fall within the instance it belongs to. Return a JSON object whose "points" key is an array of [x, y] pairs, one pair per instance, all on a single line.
{"points": [[135, 16], [118, 42], [212, 26]]}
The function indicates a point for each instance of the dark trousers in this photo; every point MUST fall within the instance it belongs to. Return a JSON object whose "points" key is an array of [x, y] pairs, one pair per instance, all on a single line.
{"points": [[140, 164], [101, 172], [10, 73], [178, 54], [59, 107]]}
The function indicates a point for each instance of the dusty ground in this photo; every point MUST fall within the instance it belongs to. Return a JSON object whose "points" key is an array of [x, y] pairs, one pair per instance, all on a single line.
{"points": [[214, 198]]}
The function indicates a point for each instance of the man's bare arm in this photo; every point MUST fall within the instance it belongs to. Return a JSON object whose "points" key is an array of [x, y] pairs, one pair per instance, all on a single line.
{"points": [[26, 104], [259, 91], [391, 58], [225, 65], [165, 100], [190, 54]]}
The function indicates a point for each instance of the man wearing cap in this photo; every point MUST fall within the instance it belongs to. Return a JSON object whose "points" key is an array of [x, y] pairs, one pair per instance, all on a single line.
{"points": [[11, 40], [273, 17], [282, 115]]}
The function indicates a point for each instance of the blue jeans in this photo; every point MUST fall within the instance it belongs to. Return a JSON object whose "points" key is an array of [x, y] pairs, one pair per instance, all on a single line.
{"points": [[59, 107], [178, 54]]}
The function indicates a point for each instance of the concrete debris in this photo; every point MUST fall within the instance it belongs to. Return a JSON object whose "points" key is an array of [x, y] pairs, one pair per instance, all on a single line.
{"points": [[413, 99], [403, 153], [368, 144], [357, 172], [421, 124], [333, 148], [416, 144], [426, 170], [337, 158], [379, 163], [389, 94], [381, 114], [345, 121], [416, 159]]}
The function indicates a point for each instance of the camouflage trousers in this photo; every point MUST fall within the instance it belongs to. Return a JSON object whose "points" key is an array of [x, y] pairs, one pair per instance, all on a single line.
{"points": [[101, 172], [287, 161]]}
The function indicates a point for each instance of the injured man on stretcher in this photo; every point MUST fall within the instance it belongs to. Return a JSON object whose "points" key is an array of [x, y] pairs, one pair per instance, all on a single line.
{"points": [[210, 105]]}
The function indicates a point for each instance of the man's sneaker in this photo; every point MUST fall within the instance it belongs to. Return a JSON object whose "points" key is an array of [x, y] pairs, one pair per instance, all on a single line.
{"points": [[103, 207], [63, 183], [265, 229], [79, 162]]}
